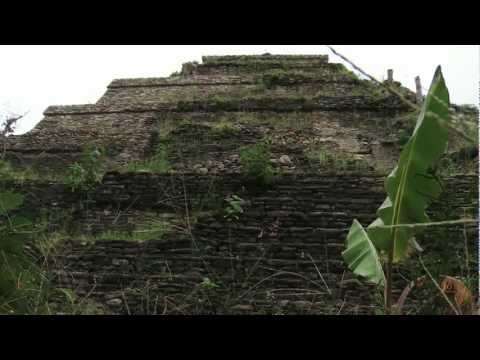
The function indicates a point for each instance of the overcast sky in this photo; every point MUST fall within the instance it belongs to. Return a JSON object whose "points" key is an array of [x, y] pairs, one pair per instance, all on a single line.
{"points": [[36, 76]]}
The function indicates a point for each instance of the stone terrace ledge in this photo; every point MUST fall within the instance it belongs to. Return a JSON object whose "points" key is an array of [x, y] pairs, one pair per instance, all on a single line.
{"points": [[216, 80], [181, 81], [71, 109], [252, 59], [276, 104]]}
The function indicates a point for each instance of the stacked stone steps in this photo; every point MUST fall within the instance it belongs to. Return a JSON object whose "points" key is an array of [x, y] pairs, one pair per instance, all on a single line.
{"points": [[171, 94], [280, 104], [283, 252], [235, 60], [293, 78], [123, 119], [253, 64]]}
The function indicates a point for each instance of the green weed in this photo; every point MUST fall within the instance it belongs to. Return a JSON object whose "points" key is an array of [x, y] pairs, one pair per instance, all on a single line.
{"points": [[255, 160]]}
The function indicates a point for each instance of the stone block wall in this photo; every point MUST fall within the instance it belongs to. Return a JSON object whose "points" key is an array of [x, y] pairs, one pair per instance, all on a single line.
{"points": [[123, 121], [282, 254]]}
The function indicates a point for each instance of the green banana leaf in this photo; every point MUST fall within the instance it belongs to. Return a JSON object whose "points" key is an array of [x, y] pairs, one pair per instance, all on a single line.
{"points": [[410, 187], [361, 256]]}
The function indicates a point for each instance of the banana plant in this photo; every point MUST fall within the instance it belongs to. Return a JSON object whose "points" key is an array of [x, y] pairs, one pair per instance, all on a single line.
{"points": [[410, 188]]}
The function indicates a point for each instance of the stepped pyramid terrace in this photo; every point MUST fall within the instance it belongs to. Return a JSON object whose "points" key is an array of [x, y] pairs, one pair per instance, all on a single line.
{"points": [[177, 225], [304, 102]]}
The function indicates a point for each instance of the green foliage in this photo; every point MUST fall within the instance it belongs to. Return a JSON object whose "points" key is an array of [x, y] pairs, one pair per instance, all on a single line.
{"points": [[234, 207], [89, 171], [150, 230], [18, 275], [256, 161], [25, 288], [5, 170], [224, 128], [338, 160], [273, 78], [458, 163], [342, 69], [62, 301], [13, 229], [49, 243], [157, 163], [216, 98], [208, 284], [361, 255], [294, 120], [164, 126], [8, 173], [403, 138], [377, 91], [413, 184], [10, 201], [76, 176], [410, 187], [459, 258]]}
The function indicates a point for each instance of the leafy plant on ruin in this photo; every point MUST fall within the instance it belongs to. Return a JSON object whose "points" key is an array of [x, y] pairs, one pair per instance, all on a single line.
{"points": [[27, 173], [72, 304], [89, 170], [6, 170], [410, 187], [18, 275], [342, 69], [255, 159], [152, 229], [208, 284], [224, 128], [157, 163], [338, 160], [271, 79], [25, 286], [234, 207]]}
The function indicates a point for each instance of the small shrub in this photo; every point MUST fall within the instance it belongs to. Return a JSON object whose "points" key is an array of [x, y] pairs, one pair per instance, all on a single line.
{"points": [[71, 304], [158, 163], [342, 69], [7, 172], [273, 78], [76, 176], [345, 161], [458, 163], [256, 161], [216, 99], [224, 128], [321, 156], [19, 276], [234, 207], [208, 284], [152, 230], [337, 161], [89, 170]]}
